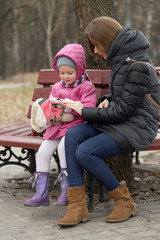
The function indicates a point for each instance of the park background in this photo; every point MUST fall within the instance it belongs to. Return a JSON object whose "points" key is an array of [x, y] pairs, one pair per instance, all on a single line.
{"points": [[32, 31]]}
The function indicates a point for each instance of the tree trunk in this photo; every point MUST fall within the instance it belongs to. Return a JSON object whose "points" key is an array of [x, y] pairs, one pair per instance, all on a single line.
{"points": [[121, 166], [86, 11]]}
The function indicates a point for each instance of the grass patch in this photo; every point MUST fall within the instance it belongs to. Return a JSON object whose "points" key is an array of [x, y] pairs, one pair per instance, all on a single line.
{"points": [[14, 103]]}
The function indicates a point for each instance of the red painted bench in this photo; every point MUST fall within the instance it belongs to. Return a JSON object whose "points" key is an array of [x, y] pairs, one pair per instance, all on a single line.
{"points": [[21, 135]]}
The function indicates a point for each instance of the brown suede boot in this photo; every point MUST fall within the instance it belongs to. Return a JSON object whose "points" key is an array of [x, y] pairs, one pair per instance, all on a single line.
{"points": [[77, 207], [124, 205]]}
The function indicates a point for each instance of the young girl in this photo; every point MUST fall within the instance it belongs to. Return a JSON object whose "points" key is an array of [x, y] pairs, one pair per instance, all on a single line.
{"points": [[70, 64]]}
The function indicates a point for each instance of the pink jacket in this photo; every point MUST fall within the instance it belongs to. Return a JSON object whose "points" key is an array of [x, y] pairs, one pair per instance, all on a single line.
{"points": [[85, 92]]}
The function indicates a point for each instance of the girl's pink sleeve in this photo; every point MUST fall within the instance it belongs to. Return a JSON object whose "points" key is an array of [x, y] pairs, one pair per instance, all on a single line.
{"points": [[88, 97], [52, 94]]}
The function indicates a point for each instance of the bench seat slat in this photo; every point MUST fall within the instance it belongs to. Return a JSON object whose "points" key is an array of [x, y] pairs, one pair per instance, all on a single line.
{"points": [[155, 145], [26, 132], [16, 129], [29, 142], [18, 132], [22, 126]]}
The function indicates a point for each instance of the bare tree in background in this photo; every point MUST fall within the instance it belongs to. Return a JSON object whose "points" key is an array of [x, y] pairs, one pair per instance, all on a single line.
{"points": [[50, 28], [31, 33], [142, 15], [86, 11]]}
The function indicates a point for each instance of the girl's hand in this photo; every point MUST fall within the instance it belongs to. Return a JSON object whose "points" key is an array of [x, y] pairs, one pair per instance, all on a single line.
{"points": [[104, 104], [75, 105]]}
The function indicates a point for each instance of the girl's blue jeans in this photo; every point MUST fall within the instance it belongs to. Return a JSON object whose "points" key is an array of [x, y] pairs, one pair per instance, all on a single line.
{"points": [[85, 148]]}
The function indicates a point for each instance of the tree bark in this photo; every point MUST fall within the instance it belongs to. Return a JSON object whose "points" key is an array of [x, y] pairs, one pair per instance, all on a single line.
{"points": [[85, 12], [121, 166]]}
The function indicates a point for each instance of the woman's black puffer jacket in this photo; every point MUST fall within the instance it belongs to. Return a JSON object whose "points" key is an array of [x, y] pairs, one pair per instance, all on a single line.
{"points": [[131, 119]]}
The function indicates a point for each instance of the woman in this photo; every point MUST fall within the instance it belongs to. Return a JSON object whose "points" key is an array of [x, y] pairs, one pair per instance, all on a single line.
{"points": [[125, 121]]}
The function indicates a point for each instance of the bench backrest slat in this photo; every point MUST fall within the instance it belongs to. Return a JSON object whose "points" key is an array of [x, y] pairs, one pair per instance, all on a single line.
{"points": [[42, 92], [47, 77], [98, 77]]}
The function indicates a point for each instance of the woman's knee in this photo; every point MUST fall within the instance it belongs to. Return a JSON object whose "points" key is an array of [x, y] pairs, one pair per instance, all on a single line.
{"points": [[74, 136], [82, 154]]}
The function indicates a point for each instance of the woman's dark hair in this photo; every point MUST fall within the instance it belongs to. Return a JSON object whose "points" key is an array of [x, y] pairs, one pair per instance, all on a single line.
{"points": [[101, 32]]}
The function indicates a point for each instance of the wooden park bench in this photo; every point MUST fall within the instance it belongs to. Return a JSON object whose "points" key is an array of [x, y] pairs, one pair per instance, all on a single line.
{"points": [[19, 142], [20, 135]]}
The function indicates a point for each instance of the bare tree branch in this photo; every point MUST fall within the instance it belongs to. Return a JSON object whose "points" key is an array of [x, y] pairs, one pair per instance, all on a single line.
{"points": [[41, 15], [60, 19]]}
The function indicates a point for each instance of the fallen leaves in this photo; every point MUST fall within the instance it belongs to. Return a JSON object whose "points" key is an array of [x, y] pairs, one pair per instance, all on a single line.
{"points": [[14, 104]]}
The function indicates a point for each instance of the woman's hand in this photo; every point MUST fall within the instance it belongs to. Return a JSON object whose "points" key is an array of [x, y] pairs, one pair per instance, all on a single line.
{"points": [[75, 105], [104, 104]]}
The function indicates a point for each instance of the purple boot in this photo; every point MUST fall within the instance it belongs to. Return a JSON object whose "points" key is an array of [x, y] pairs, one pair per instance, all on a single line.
{"points": [[63, 177], [40, 198]]}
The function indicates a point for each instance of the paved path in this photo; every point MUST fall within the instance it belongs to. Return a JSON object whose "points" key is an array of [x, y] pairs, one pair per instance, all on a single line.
{"points": [[19, 222], [13, 85]]}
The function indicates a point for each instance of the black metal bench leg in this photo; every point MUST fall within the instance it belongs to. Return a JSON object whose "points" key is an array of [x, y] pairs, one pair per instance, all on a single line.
{"points": [[91, 184], [56, 157], [9, 156], [101, 194], [137, 158], [32, 160]]}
